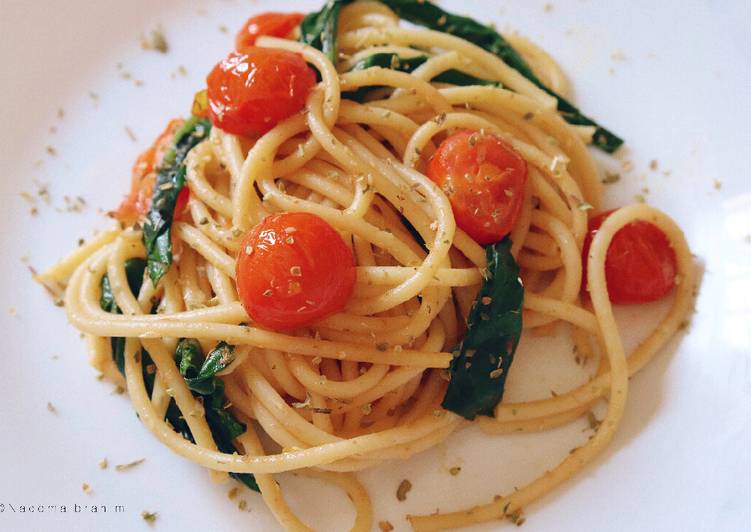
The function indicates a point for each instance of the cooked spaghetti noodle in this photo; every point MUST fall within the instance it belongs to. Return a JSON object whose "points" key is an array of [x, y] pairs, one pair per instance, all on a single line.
{"points": [[365, 385]]}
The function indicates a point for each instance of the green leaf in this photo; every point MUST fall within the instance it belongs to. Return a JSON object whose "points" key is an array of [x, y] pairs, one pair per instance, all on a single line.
{"points": [[394, 61], [218, 359], [189, 357], [224, 428], [200, 376], [176, 419], [424, 13], [462, 79], [134, 269], [248, 479], [134, 273], [170, 180], [390, 60], [414, 232], [227, 426], [107, 299], [482, 360], [408, 64], [319, 29]]}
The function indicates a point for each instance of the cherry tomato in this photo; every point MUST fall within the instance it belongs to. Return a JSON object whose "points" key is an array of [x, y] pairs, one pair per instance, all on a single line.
{"points": [[272, 24], [484, 179], [138, 202], [181, 203], [294, 269], [640, 265], [251, 91]]}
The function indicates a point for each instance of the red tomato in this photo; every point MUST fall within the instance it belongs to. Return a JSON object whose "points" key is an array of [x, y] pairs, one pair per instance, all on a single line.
{"points": [[640, 265], [272, 24], [484, 178], [294, 269], [251, 91], [138, 202], [181, 203]]}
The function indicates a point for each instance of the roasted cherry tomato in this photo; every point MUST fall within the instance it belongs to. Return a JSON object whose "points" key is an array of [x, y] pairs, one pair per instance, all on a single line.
{"points": [[294, 269], [484, 179], [251, 91], [640, 265], [143, 177], [271, 24], [181, 203]]}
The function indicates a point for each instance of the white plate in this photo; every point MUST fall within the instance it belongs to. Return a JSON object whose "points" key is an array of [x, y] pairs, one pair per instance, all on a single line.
{"points": [[673, 78]]}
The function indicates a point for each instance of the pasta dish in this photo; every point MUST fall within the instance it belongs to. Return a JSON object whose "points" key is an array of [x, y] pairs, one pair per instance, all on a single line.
{"points": [[341, 247]]}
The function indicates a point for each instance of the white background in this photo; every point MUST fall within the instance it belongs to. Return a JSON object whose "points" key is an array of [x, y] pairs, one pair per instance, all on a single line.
{"points": [[673, 78]]}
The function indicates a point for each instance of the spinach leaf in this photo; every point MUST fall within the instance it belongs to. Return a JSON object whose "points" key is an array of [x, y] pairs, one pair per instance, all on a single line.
{"points": [[107, 299], [425, 13], [390, 60], [169, 182], [200, 375], [482, 360], [224, 428], [248, 479], [462, 79], [176, 419], [319, 29], [221, 421], [409, 64], [134, 269], [189, 357], [223, 425], [134, 272], [414, 232], [383, 60]]}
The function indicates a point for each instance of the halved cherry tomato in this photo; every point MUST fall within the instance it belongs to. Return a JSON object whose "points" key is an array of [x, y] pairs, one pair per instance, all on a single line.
{"points": [[271, 23], [138, 202], [251, 91], [294, 269], [484, 179], [640, 265]]}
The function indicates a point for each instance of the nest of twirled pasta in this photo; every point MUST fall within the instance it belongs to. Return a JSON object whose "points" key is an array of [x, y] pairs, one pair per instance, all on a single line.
{"points": [[368, 382]]}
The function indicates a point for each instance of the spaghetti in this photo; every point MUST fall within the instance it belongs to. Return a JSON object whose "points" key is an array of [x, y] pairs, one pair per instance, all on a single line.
{"points": [[365, 384]]}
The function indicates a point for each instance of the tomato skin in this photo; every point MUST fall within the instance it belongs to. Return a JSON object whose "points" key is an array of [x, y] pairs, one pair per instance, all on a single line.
{"points": [[271, 23], [484, 179], [294, 269], [181, 203], [143, 179], [249, 92], [640, 265]]}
